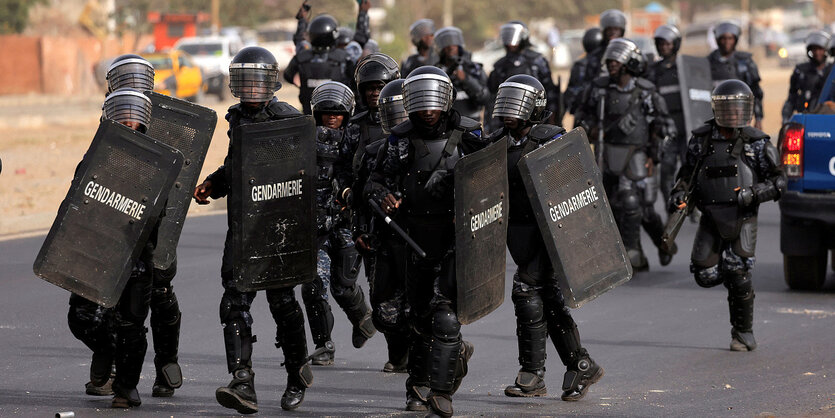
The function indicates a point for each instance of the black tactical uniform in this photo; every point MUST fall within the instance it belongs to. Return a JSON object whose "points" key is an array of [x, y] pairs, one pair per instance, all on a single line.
{"points": [[577, 81], [538, 301], [385, 260], [339, 262], [612, 26], [736, 65], [471, 92], [422, 28], [322, 63], [635, 116], [808, 78], [664, 74], [255, 87], [419, 162], [733, 176], [524, 61]]}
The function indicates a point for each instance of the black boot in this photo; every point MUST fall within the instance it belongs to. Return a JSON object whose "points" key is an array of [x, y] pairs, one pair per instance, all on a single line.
{"points": [[290, 336], [529, 383], [240, 393], [652, 223], [297, 382], [440, 404], [580, 375], [417, 384], [169, 377], [398, 351], [359, 313], [125, 398], [467, 350], [742, 320], [101, 382], [320, 318]]}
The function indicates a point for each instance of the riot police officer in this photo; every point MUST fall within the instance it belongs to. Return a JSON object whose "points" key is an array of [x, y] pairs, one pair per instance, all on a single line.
{"points": [[577, 82], [324, 62], [727, 63], [467, 77], [634, 118], [538, 301], [612, 26], [422, 33], [730, 169], [133, 109], [361, 35], [384, 260], [253, 78], [522, 59], [339, 262], [664, 74], [419, 160], [93, 324], [808, 78]]}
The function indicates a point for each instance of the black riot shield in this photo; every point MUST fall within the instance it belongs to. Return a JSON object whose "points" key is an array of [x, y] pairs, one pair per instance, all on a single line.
{"points": [[481, 207], [111, 208], [696, 85], [566, 192], [272, 203], [188, 128]]}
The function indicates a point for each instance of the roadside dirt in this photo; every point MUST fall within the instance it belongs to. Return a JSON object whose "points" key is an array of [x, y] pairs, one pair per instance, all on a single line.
{"points": [[44, 138]]}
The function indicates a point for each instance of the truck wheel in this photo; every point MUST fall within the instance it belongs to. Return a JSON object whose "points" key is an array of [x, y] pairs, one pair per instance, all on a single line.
{"points": [[805, 272]]}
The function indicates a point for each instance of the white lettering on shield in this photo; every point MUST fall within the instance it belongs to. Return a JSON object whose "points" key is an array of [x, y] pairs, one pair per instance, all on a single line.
{"points": [[287, 188], [114, 200], [573, 204], [490, 215]]}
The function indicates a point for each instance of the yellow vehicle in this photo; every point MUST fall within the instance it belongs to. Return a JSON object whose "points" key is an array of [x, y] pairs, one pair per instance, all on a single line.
{"points": [[176, 75]]}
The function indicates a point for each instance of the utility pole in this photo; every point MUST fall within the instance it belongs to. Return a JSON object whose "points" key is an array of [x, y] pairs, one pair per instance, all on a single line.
{"points": [[215, 17]]}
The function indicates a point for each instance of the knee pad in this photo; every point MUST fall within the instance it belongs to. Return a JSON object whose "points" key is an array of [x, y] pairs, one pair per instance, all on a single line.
{"points": [[628, 201], [231, 309], [706, 276], [445, 325], [345, 267], [529, 309], [388, 316], [739, 285]]}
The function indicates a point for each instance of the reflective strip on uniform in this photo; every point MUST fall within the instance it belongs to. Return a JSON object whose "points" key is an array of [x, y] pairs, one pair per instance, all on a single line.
{"points": [[316, 82], [672, 88]]}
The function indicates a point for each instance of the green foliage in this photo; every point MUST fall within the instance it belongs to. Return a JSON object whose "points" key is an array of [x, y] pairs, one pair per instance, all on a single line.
{"points": [[14, 15]]}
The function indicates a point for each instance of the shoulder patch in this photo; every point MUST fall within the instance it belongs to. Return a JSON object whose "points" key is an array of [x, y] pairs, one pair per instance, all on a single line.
{"points": [[754, 133], [544, 132]]}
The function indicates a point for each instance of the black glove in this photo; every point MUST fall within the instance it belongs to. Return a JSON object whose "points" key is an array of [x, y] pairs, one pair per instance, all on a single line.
{"points": [[746, 197], [438, 183]]}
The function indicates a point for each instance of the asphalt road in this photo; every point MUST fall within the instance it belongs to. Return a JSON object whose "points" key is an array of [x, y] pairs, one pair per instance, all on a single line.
{"points": [[662, 340]]}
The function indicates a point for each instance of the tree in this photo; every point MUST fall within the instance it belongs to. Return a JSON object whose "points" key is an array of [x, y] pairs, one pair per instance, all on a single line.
{"points": [[14, 15]]}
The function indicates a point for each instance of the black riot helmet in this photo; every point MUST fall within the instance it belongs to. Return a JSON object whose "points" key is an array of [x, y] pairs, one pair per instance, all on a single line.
{"points": [[592, 39], [817, 38], [131, 71], [128, 105], [421, 28], [323, 31], [733, 104], [332, 97], [669, 33], [727, 27], [627, 53], [390, 103], [428, 88], [344, 35], [522, 97], [447, 36], [515, 33], [253, 75], [613, 18], [375, 67]]}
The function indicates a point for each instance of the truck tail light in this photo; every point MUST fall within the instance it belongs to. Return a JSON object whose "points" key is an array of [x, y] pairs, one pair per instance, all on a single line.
{"points": [[792, 149]]}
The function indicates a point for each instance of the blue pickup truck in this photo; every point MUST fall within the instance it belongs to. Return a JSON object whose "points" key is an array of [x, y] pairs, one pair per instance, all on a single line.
{"points": [[807, 209]]}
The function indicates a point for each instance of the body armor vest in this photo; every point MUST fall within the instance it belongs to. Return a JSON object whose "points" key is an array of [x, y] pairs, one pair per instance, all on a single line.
{"points": [[625, 122], [521, 211], [723, 172], [429, 156], [735, 67], [315, 68], [666, 80], [810, 82], [327, 152]]}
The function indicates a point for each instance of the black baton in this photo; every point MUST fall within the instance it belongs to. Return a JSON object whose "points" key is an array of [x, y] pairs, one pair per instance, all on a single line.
{"points": [[397, 228]]}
